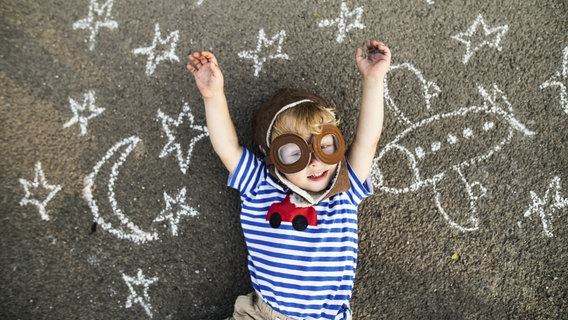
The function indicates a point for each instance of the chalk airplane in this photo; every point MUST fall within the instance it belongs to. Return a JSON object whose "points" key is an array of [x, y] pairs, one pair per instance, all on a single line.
{"points": [[436, 152]]}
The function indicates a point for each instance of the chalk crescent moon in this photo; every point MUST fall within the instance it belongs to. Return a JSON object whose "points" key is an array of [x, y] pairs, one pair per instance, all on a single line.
{"points": [[128, 230]]}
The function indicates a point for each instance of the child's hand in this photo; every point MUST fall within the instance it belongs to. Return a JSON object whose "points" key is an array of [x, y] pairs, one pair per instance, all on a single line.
{"points": [[376, 65], [208, 76]]}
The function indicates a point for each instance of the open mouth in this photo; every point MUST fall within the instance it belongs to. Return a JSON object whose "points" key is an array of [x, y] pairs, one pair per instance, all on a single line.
{"points": [[318, 176]]}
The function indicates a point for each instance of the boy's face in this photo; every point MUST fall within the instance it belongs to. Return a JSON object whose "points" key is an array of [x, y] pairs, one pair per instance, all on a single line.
{"points": [[316, 176]]}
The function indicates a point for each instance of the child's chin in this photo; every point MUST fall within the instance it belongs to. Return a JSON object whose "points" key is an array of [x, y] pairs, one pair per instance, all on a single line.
{"points": [[317, 187]]}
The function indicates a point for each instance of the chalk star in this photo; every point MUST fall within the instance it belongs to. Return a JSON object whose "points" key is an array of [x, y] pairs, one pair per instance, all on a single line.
{"points": [[79, 110], [559, 80], [264, 44], [141, 298], [468, 37], [341, 22], [34, 188], [98, 17], [547, 205], [153, 58], [168, 126], [175, 209]]}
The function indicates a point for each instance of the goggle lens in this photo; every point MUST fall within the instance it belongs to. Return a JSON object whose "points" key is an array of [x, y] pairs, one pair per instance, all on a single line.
{"points": [[329, 144], [289, 153]]}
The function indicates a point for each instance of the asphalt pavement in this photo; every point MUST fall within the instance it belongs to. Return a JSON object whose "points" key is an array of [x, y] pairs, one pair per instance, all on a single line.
{"points": [[113, 204]]}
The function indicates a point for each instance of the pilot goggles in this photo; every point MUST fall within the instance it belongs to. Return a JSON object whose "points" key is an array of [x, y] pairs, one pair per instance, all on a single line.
{"points": [[290, 153]]}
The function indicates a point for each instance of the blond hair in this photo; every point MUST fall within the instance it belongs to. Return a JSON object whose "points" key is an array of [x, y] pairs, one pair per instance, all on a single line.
{"points": [[304, 119]]}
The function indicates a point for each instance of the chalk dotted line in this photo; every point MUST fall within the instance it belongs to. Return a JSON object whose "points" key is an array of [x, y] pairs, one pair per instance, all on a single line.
{"points": [[452, 138]]}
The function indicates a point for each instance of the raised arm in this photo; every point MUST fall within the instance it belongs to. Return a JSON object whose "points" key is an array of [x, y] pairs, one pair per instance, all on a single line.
{"points": [[373, 69], [209, 80]]}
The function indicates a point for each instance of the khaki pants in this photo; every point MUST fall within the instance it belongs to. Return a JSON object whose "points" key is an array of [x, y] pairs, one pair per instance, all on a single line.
{"points": [[251, 307]]}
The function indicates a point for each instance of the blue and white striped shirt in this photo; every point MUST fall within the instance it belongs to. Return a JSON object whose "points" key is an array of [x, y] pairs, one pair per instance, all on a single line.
{"points": [[302, 274]]}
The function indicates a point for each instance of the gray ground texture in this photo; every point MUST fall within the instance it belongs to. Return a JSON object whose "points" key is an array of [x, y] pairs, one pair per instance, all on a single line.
{"points": [[100, 218]]}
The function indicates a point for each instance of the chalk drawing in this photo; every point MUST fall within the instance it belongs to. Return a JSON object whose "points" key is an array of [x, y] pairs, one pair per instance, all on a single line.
{"points": [[491, 37], [547, 205], [559, 80], [36, 187], [127, 229], [80, 110], [176, 208], [264, 44], [343, 27], [169, 125], [430, 1], [138, 287], [98, 17], [496, 105], [429, 90], [153, 58]]}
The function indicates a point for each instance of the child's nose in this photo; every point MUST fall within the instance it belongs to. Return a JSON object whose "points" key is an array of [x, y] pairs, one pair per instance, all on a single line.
{"points": [[314, 159]]}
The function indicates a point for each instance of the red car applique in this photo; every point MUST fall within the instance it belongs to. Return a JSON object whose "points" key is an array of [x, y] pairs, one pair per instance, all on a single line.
{"points": [[301, 217]]}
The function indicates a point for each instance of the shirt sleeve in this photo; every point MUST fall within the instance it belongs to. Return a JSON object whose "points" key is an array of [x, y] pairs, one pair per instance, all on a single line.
{"points": [[249, 172], [359, 189]]}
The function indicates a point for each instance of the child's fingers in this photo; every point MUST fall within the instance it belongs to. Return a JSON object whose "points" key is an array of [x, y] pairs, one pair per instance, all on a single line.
{"points": [[376, 48], [194, 58], [372, 44], [199, 59], [383, 47], [359, 55], [210, 57], [191, 68]]}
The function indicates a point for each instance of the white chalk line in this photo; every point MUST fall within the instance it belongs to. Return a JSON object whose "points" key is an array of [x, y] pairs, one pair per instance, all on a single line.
{"points": [[262, 43], [172, 216], [140, 280], [466, 37], [38, 182], [154, 59], [135, 233], [92, 22], [429, 90], [559, 79], [343, 27], [79, 110], [547, 205], [494, 103], [175, 147]]}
